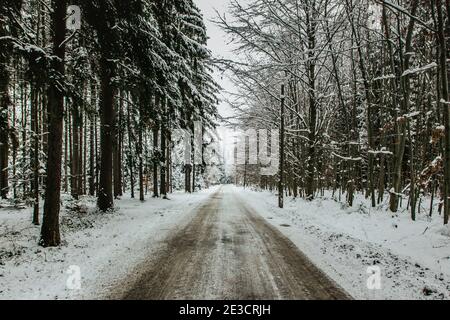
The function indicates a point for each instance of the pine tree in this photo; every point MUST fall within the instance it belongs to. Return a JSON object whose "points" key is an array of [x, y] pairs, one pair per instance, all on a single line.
{"points": [[50, 235]]}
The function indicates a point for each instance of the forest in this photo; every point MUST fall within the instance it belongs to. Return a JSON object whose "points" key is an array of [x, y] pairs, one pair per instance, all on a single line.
{"points": [[235, 149], [359, 91], [89, 96]]}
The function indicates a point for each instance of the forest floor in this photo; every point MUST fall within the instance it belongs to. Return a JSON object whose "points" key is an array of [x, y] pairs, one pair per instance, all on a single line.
{"points": [[226, 242]]}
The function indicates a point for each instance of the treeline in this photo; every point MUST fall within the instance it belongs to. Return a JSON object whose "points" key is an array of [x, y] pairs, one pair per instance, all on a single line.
{"points": [[366, 106], [88, 106]]}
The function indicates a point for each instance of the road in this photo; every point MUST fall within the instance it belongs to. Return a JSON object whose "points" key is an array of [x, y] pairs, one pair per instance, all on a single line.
{"points": [[228, 251]]}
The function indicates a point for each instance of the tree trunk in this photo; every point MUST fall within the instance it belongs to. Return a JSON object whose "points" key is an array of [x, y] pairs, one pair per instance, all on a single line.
{"points": [[311, 70], [74, 163], [444, 72], [15, 144], [187, 178], [412, 189], [281, 153], [117, 165], [35, 155], [155, 162], [85, 153], [119, 181], [50, 235], [80, 155], [130, 150], [169, 163], [4, 126], [105, 193], [66, 154], [140, 154], [93, 156], [194, 167], [163, 190]]}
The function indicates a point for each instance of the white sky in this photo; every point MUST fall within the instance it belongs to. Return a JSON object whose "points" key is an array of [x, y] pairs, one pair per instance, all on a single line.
{"points": [[218, 44]]}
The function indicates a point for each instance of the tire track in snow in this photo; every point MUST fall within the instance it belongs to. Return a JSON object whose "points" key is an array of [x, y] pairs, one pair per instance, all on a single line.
{"points": [[228, 251]]}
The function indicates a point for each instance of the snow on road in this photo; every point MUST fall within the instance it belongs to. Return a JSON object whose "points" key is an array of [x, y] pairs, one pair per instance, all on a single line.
{"points": [[228, 252], [413, 257], [105, 247], [213, 246]]}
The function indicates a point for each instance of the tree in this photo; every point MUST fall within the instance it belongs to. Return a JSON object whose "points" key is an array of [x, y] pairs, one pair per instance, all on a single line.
{"points": [[444, 54], [360, 108], [50, 235], [8, 11], [132, 67]]}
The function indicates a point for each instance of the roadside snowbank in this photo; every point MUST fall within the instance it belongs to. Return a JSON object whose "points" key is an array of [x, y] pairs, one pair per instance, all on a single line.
{"points": [[414, 257], [105, 247]]}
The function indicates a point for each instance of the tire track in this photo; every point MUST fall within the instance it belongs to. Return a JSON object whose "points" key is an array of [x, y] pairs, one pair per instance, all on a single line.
{"points": [[228, 251]]}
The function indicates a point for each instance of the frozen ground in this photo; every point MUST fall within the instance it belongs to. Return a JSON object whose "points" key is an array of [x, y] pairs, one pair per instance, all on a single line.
{"points": [[414, 257], [106, 247]]}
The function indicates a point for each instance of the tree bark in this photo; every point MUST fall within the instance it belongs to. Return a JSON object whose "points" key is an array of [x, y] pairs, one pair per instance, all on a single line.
{"points": [[105, 193], [117, 165], [163, 190], [444, 73], [280, 153], [155, 162], [4, 129], [35, 155], [50, 235], [130, 151], [74, 163], [93, 156], [4, 121], [140, 154]]}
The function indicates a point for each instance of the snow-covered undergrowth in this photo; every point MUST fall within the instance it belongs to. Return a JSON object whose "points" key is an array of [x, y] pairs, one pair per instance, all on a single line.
{"points": [[103, 247], [413, 257]]}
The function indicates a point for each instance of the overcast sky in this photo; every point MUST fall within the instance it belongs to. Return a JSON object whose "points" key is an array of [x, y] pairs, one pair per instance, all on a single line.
{"points": [[217, 43], [217, 36]]}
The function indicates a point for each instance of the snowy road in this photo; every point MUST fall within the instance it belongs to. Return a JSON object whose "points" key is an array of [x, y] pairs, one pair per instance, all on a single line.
{"points": [[227, 251]]}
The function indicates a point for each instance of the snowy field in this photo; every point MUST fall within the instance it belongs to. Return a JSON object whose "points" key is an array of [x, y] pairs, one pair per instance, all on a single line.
{"points": [[413, 257], [105, 247]]}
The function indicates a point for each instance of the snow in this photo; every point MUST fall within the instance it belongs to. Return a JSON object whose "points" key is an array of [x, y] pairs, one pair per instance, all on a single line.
{"points": [[382, 151], [414, 257], [412, 114], [420, 70], [385, 77], [105, 247], [346, 158]]}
